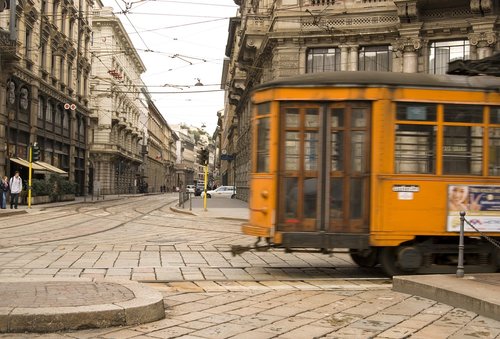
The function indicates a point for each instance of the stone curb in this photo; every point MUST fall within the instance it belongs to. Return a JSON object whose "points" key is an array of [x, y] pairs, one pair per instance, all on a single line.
{"points": [[146, 306], [177, 210], [466, 293]]}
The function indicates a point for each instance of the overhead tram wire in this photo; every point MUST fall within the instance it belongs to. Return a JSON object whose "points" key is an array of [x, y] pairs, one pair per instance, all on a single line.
{"points": [[124, 12]]}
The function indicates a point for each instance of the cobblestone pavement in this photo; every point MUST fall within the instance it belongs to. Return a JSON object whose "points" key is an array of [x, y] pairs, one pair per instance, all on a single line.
{"points": [[33, 294], [208, 293], [143, 240]]}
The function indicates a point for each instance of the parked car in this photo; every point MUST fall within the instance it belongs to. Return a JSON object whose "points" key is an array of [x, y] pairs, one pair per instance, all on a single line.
{"points": [[222, 192], [200, 187], [190, 188]]}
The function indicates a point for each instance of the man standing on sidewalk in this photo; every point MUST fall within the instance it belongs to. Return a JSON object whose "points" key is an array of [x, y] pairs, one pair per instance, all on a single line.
{"points": [[16, 186]]}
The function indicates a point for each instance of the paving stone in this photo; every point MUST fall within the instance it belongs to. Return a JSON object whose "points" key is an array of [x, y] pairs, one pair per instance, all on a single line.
{"points": [[470, 332], [223, 331], [170, 332], [433, 331], [307, 331], [397, 332]]}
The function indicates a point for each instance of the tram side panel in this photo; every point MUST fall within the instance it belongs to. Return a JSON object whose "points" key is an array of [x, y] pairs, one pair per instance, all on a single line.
{"points": [[418, 207]]}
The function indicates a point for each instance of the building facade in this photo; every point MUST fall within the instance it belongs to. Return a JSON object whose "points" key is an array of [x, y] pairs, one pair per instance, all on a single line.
{"points": [[185, 166], [270, 40], [44, 86], [119, 108], [160, 172]]}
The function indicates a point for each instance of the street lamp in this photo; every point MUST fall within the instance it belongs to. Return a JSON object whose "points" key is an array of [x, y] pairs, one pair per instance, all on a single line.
{"points": [[198, 83]]}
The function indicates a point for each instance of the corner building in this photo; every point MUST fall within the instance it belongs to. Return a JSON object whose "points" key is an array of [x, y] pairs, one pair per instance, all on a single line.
{"points": [[119, 108], [270, 40], [44, 78]]}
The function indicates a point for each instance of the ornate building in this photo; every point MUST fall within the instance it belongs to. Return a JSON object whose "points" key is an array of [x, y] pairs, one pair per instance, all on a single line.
{"points": [[269, 40], [160, 172], [185, 166], [45, 69], [119, 108]]}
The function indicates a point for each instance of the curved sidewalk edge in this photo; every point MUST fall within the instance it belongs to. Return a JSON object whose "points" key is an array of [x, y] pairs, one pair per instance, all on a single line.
{"points": [[53, 305], [479, 293]]}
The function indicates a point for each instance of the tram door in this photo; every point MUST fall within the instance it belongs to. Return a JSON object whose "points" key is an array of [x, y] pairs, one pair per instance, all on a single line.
{"points": [[324, 164]]}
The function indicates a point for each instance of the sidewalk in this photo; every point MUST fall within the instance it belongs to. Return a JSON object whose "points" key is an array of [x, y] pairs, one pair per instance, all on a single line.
{"points": [[479, 293], [78, 200]]}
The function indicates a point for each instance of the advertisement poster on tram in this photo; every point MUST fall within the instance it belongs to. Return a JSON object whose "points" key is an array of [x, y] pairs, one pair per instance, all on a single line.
{"points": [[481, 204]]}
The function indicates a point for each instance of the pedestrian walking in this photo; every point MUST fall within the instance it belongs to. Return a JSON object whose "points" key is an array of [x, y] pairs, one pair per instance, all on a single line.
{"points": [[4, 189], [16, 186]]}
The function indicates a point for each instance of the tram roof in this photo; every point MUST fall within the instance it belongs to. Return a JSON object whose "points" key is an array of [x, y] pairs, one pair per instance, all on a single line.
{"points": [[386, 79]]}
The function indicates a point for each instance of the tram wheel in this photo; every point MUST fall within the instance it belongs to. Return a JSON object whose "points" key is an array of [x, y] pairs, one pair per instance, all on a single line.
{"points": [[388, 259], [364, 258]]}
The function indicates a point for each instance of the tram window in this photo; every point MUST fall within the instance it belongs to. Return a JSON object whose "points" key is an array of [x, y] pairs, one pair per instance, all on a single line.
{"points": [[292, 118], [416, 112], [359, 116], [463, 113], [494, 151], [291, 194], [463, 150], [356, 198], [312, 118], [310, 193], [337, 198], [358, 151], [292, 151], [263, 145], [337, 117], [311, 151], [264, 108], [337, 147], [415, 149], [495, 115]]}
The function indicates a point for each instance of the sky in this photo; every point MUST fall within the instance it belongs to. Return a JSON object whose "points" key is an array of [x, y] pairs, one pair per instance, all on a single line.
{"points": [[179, 42]]}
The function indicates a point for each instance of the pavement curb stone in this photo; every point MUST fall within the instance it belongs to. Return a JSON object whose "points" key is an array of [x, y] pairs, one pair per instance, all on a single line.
{"points": [[146, 305], [469, 293]]}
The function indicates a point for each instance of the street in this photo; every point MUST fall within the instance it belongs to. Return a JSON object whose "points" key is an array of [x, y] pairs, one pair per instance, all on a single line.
{"points": [[208, 292]]}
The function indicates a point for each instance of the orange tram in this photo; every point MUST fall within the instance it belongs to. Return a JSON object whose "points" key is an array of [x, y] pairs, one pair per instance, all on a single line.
{"points": [[380, 164]]}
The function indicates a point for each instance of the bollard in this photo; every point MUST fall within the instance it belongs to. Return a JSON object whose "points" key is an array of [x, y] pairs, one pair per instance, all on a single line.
{"points": [[460, 266], [190, 202]]}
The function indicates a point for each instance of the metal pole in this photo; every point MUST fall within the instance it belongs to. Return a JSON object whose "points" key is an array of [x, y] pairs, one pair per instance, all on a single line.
{"points": [[206, 182], [29, 175], [460, 267], [190, 202]]}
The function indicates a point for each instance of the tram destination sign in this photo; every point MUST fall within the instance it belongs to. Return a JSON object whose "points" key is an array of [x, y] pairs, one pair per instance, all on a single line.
{"points": [[406, 188]]}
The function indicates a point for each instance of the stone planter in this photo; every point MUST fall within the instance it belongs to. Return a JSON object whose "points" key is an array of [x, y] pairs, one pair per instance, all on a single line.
{"points": [[42, 199], [66, 197]]}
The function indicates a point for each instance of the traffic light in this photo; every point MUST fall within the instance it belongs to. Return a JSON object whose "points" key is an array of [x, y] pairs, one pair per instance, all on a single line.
{"points": [[203, 156], [35, 152]]}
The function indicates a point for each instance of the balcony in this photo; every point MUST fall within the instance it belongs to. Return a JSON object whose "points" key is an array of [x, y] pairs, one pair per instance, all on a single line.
{"points": [[8, 48]]}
